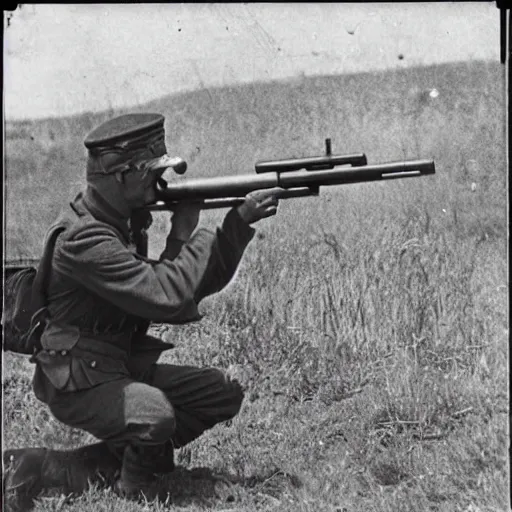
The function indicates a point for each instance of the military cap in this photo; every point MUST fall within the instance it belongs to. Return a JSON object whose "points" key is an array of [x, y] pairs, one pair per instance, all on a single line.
{"points": [[125, 138]]}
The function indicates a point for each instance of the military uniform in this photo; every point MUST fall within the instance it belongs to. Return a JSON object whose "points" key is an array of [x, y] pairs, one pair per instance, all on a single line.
{"points": [[97, 369], [101, 297]]}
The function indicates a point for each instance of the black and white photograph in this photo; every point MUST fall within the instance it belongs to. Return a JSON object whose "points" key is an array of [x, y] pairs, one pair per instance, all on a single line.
{"points": [[255, 257]]}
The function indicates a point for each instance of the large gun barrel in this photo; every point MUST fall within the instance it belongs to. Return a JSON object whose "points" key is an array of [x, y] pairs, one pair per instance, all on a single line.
{"points": [[223, 191]]}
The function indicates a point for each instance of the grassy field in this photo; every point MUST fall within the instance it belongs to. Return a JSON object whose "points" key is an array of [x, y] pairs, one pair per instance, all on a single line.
{"points": [[369, 326]]}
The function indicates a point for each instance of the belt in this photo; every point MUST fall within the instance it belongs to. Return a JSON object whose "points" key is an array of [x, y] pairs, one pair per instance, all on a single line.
{"points": [[86, 346]]}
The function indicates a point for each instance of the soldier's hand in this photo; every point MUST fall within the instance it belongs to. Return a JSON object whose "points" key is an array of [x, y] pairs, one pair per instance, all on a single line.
{"points": [[259, 204], [184, 220]]}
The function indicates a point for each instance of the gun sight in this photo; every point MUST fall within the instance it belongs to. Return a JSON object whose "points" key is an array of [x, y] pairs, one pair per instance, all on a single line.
{"points": [[315, 163]]}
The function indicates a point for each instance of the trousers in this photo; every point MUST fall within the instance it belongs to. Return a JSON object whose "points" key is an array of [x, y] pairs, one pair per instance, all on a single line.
{"points": [[140, 421], [168, 402]]}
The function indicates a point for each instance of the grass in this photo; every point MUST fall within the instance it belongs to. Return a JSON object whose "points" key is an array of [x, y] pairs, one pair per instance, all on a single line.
{"points": [[368, 327]]}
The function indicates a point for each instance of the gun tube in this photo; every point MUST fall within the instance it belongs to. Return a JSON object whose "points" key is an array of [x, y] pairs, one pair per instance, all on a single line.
{"points": [[238, 186]]}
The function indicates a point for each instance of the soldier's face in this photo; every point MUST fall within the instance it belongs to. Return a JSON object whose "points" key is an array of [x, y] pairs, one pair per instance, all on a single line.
{"points": [[140, 188]]}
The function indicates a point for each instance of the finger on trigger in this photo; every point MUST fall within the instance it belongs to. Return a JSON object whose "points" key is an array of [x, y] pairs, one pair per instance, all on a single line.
{"points": [[267, 201], [271, 211]]}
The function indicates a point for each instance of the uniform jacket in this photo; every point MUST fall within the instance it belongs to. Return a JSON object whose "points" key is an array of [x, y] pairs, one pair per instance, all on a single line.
{"points": [[102, 295]]}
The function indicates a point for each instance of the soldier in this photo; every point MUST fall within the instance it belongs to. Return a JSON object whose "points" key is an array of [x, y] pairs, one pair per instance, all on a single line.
{"points": [[97, 369]]}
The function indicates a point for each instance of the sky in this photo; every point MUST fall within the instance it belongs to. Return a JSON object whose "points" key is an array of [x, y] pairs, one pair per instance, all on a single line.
{"points": [[66, 59]]}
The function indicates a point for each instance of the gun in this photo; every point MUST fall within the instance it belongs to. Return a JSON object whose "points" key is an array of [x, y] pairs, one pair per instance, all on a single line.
{"points": [[299, 177]]}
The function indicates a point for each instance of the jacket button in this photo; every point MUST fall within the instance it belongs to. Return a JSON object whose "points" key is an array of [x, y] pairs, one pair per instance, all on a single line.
{"points": [[93, 364], [52, 353], [63, 352]]}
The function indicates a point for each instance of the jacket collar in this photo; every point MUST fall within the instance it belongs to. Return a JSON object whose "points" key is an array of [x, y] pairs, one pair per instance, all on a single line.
{"points": [[91, 202]]}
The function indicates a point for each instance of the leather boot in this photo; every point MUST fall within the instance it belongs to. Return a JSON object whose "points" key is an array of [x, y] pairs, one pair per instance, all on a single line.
{"points": [[161, 457], [21, 479], [137, 478], [28, 471], [75, 469], [139, 471]]}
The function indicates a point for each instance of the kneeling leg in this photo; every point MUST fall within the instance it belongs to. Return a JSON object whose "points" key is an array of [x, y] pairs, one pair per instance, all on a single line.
{"points": [[201, 397]]}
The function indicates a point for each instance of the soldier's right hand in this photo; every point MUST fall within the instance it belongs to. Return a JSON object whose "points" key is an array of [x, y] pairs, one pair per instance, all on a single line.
{"points": [[184, 221], [259, 204]]}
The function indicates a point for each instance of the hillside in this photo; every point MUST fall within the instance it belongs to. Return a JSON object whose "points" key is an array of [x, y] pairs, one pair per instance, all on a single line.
{"points": [[369, 327], [388, 115]]}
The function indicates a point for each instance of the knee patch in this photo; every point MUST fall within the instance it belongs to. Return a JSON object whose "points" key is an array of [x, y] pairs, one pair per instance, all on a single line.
{"points": [[148, 414]]}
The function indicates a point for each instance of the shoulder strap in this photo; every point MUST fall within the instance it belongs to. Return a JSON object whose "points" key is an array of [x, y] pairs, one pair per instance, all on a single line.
{"points": [[40, 284]]}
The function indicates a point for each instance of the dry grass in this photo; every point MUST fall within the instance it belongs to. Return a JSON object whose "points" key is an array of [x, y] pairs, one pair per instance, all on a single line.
{"points": [[369, 327]]}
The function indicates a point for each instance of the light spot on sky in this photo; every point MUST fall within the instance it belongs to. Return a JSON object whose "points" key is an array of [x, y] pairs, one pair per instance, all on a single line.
{"points": [[65, 59]]}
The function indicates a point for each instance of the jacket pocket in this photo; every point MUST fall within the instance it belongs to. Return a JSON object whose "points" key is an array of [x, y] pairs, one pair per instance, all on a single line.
{"points": [[55, 366], [59, 337], [55, 358], [91, 370]]}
